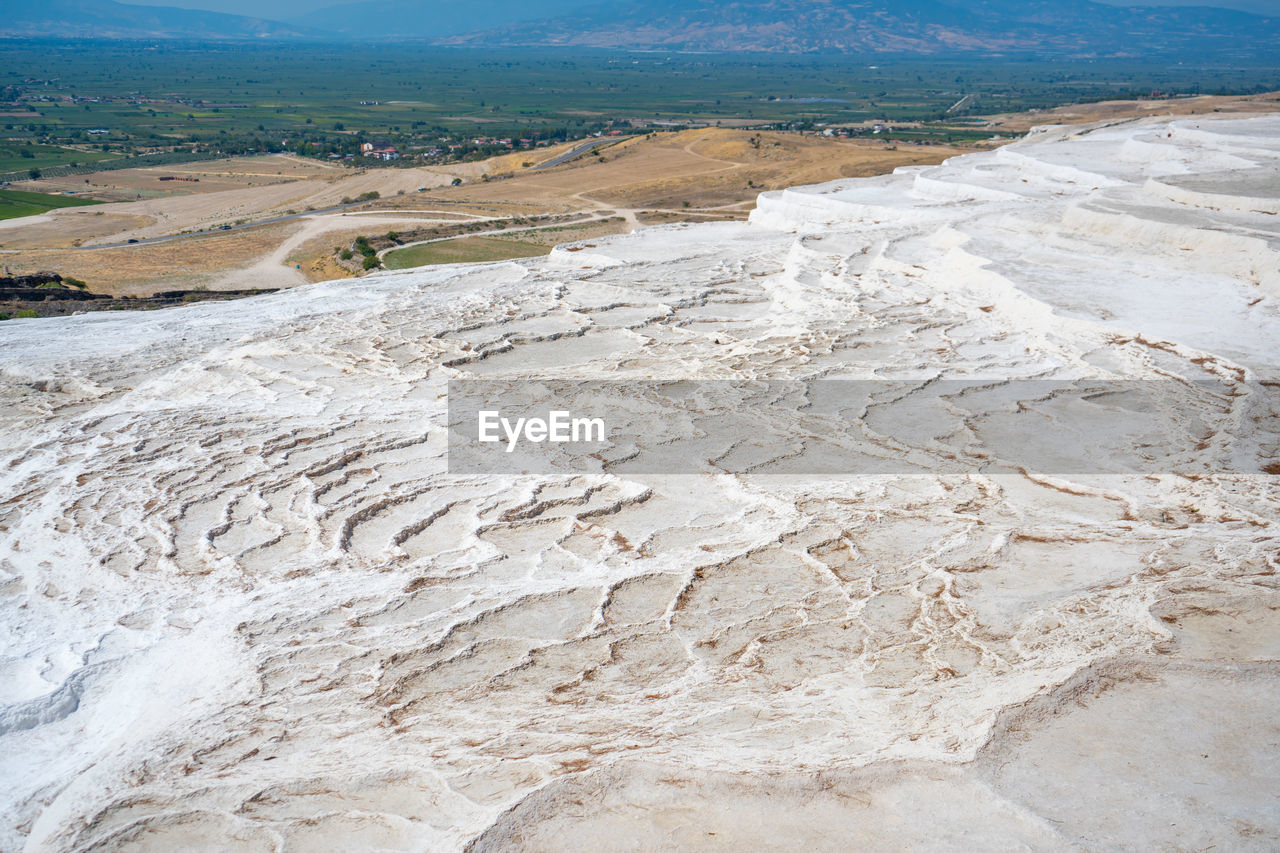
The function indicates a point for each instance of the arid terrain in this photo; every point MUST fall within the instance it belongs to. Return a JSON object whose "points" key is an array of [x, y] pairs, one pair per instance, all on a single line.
{"points": [[1268, 102], [693, 175]]}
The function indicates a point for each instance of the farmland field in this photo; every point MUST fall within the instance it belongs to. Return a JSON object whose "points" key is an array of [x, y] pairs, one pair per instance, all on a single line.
{"points": [[20, 156], [463, 250], [322, 100], [15, 203]]}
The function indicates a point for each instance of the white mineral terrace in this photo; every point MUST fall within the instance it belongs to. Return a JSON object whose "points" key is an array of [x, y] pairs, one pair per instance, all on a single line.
{"points": [[245, 606]]}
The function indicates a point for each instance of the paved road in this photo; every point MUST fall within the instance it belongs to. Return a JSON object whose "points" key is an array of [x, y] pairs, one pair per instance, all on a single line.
{"points": [[257, 223], [577, 152]]}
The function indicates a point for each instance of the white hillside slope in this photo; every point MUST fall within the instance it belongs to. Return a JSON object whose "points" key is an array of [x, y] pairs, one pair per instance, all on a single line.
{"points": [[245, 606]]}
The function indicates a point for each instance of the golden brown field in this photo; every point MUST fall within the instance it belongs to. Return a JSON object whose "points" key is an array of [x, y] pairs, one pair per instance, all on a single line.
{"points": [[141, 270]]}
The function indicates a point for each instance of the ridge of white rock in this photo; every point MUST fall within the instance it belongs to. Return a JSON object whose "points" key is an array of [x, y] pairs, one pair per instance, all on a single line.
{"points": [[246, 607]]}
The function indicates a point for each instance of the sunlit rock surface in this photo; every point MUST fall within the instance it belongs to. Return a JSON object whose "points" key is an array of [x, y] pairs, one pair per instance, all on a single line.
{"points": [[245, 607]]}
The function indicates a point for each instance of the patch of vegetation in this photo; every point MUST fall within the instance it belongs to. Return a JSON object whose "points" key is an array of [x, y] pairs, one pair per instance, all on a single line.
{"points": [[18, 155], [463, 250], [323, 100], [15, 203]]}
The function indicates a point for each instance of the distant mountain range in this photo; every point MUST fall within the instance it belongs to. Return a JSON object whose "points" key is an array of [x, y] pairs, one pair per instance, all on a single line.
{"points": [[110, 20], [433, 19], [1057, 28]]}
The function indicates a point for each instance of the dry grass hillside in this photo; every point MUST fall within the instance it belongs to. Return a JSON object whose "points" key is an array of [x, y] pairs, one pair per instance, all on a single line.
{"points": [[691, 175], [710, 173], [708, 168]]}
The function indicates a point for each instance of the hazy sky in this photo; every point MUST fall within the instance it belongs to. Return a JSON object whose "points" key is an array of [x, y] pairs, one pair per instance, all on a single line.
{"points": [[283, 9]]}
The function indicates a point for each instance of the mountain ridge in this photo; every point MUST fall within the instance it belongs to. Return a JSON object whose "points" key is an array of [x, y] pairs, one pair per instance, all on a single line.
{"points": [[403, 18], [1078, 28], [108, 19], [1037, 28]]}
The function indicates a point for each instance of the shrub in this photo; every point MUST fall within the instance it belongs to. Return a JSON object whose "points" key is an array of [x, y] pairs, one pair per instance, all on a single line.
{"points": [[371, 262], [27, 314], [71, 281], [346, 254]]}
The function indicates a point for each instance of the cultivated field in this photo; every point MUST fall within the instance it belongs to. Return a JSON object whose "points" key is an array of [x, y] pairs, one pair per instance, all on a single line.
{"points": [[294, 95], [464, 250], [15, 204], [210, 176]]}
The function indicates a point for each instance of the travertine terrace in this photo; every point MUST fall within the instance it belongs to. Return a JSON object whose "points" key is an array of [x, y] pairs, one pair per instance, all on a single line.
{"points": [[247, 607]]}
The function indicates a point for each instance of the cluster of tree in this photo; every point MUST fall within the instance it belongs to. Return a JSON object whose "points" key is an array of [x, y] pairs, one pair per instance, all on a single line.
{"points": [[421, 142], [370, 254]]}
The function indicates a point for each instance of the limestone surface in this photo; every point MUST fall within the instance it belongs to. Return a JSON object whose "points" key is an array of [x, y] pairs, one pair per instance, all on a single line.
{"points": [[247, 607]]}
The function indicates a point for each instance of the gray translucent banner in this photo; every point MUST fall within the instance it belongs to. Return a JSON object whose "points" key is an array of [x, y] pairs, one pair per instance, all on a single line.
{"points": [[850, 427]]}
